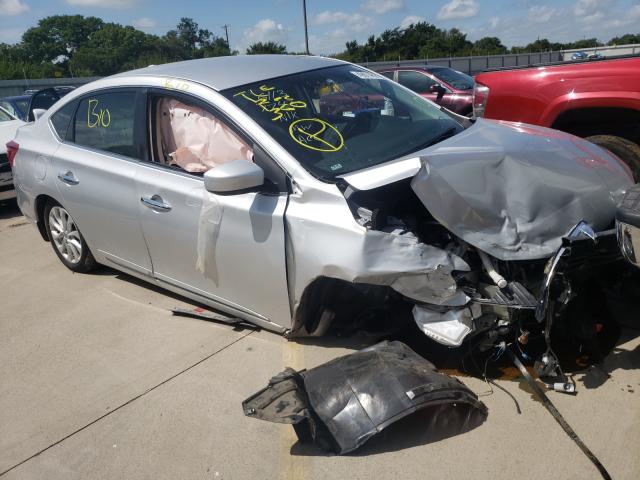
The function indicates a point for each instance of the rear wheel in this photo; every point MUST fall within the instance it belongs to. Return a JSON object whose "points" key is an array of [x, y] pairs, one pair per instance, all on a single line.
{"points": [[66, 239], [624, 149]]}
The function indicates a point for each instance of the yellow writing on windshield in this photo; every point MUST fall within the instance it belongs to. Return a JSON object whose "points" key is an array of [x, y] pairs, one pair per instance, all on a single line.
{"points": [[277, 102], [97, 117], [316, 134]]}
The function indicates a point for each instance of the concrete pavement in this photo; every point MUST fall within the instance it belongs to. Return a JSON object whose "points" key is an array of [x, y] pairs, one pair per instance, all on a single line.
{"points": [[98, 380]]}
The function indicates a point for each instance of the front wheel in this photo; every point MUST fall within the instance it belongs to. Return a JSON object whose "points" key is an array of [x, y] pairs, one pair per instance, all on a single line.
{"points": [[66, 239], [624, 149]]}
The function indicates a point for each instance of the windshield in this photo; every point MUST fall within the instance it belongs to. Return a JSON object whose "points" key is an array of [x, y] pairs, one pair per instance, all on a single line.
{"points": [[4, 116], [341, 119], [454, 78]]}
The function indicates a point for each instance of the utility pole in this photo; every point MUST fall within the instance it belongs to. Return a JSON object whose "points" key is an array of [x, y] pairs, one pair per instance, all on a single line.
{"points": [[226, 32], [306, 32]]}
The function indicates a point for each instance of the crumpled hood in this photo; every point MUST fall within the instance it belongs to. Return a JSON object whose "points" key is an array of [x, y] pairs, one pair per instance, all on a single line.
{"points": [[514, 190]]}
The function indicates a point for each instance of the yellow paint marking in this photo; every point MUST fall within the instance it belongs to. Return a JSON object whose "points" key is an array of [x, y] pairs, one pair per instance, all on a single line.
{"points": [[304, 127], [292, 467]]}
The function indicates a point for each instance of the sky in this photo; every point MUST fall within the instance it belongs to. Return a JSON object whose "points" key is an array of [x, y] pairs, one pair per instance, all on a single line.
{"points": [[334, 22]]}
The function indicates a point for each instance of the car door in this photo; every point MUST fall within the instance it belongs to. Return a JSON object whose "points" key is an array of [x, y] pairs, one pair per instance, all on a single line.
{"points": [[448, 99], [229, 248], [95, 168], [43, 100]]}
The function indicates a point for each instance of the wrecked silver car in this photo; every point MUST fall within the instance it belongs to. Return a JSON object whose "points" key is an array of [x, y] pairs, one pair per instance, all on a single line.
{"points": [[295, 192]]}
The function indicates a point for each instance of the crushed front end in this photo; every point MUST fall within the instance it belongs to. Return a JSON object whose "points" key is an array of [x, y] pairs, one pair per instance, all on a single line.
{"points": [[523, 224]]}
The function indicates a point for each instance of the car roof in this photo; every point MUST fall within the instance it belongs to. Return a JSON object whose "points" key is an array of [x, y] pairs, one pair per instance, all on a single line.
{"points": [[221, 73], [425, 68], [17, 97]]}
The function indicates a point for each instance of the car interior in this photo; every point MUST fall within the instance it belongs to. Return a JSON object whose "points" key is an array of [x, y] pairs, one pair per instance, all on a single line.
{"points": [[190, 138]]}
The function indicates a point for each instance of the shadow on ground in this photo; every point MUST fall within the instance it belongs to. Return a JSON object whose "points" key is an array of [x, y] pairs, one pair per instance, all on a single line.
{"points": [[9, 210], [421, 428]]}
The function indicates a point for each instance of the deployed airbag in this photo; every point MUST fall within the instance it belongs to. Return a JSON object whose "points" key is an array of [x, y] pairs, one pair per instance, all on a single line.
{"points": [[341, 404], [196, 140]]}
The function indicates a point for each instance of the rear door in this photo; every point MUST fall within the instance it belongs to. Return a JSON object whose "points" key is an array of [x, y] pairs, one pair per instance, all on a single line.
{"points": [[95, 170], [229, 248]]}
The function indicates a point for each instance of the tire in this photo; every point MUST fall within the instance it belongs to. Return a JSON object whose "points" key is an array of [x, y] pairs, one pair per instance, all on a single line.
{"points": [[624, 149], [66, 239]]}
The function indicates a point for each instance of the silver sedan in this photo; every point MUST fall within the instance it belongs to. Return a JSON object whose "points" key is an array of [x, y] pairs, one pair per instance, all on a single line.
{"points": [[296, 192]]}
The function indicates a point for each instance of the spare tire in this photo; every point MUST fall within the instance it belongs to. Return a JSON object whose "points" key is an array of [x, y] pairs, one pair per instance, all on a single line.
{"points": [[626, 150]]}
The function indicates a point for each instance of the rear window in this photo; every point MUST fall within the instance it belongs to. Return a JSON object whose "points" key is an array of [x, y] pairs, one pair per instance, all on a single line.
{"points": [[106, 122], [454, 78]]}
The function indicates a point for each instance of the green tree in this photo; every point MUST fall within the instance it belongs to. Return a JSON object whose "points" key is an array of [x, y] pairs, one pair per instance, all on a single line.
{"points": [[58, 37], [188, 41], [489, 45], [584, 43], [625, 39], [266, 47], [113, 49]]}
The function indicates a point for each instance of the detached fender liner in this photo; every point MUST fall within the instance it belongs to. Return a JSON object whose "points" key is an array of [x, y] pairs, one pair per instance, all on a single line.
{"points": [[341, 404]]}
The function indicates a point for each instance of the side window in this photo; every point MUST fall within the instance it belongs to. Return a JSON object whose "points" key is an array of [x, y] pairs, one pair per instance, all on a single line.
{"points": [[415, 81], [107, 122], [188, 137], [389, 75], [62, 118]]}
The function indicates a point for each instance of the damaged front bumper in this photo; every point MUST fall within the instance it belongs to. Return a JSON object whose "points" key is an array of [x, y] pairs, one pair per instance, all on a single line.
{"points": [[343, 403], [583, 258]]}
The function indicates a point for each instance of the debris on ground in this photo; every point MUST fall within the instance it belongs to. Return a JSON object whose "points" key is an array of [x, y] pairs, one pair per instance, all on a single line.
{"points": [[343, 403]]}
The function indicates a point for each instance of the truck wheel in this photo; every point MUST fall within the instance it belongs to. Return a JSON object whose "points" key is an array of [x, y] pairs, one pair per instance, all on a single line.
{"points": [[624, 149]]}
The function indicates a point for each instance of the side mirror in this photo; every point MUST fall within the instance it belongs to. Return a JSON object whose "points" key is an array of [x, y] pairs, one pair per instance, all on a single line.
{"points": [[233, 176], [438, 89], [37, 113]]}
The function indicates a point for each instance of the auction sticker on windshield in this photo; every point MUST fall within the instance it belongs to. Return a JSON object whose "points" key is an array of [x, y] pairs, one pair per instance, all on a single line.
{"points": [[366, 75]]}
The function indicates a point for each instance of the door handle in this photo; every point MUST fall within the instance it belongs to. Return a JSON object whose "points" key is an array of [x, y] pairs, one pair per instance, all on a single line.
{"points": [[155, 202], [68, 177]]}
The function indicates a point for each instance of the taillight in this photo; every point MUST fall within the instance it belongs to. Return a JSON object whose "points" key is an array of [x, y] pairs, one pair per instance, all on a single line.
{"points": [[12, 150], [480, 96]]}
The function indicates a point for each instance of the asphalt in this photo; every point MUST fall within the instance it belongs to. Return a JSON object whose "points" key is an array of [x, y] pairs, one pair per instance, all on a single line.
{"points": [[99, 381]]}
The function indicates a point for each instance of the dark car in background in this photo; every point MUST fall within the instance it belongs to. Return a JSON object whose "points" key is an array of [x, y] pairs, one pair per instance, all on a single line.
{"points": [[443, 85], [20, 106], [61, 90]]}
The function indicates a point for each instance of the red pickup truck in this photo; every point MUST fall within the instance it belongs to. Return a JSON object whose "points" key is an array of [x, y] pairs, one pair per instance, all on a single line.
{"points": [[598, 100]]}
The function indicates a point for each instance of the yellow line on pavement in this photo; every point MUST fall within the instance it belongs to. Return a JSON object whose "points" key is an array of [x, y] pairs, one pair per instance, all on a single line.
{"points": [[292, 467]]}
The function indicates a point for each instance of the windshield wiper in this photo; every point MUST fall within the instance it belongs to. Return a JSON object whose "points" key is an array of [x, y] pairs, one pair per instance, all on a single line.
{"points": [[449, 132]]}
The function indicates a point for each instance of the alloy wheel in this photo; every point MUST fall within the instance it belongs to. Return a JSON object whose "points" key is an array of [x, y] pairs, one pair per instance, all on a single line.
{"points": [[65, 234]]}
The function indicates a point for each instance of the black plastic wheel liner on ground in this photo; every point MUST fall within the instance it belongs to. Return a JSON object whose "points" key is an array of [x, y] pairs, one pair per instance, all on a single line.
{"points": [[343, 403]]}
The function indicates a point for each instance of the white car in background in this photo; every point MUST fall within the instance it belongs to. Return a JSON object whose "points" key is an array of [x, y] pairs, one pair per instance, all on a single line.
{"points": [[8, 127]]}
